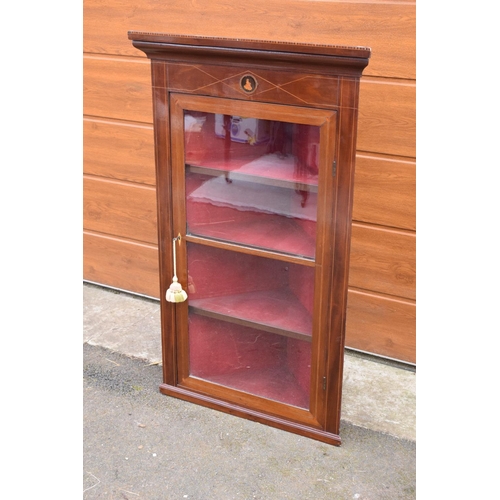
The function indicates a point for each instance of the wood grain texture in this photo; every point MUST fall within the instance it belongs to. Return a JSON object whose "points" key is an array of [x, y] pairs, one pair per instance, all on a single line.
{"points": [[383, 260], [121, 89], [122, 264], [385, 192], [387, 27], [387, 118], [117, 88], [118, 209], [119, 151], [381, 325]]}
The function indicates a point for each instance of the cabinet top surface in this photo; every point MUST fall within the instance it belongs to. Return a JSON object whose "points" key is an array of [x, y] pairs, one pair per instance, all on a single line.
{"points": [[239, 43]]}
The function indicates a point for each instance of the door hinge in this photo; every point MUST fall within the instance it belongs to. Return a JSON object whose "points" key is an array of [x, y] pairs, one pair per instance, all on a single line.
{"points": [[324, 383], [334, 168]]}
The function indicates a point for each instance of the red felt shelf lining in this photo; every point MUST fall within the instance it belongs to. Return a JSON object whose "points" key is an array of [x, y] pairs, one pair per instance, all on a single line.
{"points": [[249, 360], [266, 231], [276, 383], [276, 311]]}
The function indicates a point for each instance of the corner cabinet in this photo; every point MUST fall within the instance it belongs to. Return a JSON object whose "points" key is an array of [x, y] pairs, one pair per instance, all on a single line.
{"points": [[255, 150]]}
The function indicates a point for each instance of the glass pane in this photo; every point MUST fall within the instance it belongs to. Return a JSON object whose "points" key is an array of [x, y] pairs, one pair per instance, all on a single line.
{"points": [[250, 323], [252, 181]]}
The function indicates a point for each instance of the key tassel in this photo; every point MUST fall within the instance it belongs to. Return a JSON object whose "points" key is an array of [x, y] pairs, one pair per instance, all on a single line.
{"points": [[175, 293]]}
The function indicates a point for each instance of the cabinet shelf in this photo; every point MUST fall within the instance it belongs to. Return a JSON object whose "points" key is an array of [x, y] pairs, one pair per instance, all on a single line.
{"points": [[252, 214], [268, 232], [269, 169], [274, 311]]}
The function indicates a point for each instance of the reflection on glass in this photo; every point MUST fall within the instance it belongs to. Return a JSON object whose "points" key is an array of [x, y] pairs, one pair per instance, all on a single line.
{"points": [[252, 181], [250, 323]]}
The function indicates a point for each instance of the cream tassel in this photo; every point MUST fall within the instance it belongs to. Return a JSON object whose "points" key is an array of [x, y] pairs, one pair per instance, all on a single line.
{"points": [[175, 293]]}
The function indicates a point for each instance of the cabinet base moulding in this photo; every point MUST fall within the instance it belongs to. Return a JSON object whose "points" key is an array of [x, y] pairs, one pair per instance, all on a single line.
{"points": [[250, 414]]}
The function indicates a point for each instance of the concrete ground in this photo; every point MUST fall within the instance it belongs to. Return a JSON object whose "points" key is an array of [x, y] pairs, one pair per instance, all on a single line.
{"points": [[139, 443]]}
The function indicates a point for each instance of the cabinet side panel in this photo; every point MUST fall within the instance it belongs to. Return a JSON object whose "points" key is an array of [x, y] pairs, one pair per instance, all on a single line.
{"points": [[342, 228], [164, 202]]}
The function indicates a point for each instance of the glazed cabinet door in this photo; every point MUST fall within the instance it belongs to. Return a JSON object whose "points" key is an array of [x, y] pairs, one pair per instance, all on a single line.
{"points": [[253, 210]]}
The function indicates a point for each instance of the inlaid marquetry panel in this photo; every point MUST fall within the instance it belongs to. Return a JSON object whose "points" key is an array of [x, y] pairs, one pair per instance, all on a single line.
{"points": [[288, 87]]}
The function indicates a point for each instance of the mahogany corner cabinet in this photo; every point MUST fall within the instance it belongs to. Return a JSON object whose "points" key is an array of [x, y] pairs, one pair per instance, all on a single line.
{"points": [[255, 150]]}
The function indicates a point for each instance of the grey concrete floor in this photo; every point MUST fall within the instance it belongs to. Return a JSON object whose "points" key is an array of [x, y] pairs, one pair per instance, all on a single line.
{"points": [[141, 444]]}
